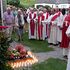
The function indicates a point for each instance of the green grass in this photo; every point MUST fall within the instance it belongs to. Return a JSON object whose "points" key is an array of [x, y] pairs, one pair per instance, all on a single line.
{"points": [[50, 64], [26, 3], [35, 45]]}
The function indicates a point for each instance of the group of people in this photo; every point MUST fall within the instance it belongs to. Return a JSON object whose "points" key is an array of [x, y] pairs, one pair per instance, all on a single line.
{"points": [[42, 24], [15, 18], [53, 26], [50, 26]]}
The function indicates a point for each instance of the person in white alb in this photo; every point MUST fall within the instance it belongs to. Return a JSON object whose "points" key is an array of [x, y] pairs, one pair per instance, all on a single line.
{"points": [[65, 40], [59, 27], [45, 26], [53, 28], [32, 24]]}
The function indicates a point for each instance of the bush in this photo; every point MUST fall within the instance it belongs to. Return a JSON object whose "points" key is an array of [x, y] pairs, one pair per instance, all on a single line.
{"points": [[3, 52], [14, 2], [21, 6]]}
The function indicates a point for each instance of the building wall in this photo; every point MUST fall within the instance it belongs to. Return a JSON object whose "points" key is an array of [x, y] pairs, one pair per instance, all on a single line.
{"points": [[53, 1]]}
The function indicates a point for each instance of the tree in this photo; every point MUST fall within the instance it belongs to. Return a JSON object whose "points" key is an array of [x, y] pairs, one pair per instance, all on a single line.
{"points": [[3, 52], [14, 2]]}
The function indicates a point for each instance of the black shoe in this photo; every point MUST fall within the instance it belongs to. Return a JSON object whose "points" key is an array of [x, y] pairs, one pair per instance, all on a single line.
{"points": [[55, 44], [59, 42], [50, 43], [66, 57]]}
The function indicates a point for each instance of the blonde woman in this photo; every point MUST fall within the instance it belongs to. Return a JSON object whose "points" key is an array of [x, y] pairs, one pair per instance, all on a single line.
{"points": [[19, 21]]}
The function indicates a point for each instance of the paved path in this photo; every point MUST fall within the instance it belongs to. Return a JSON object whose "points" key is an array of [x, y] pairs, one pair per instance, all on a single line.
{"points": [[52, 54], [42, 56]]}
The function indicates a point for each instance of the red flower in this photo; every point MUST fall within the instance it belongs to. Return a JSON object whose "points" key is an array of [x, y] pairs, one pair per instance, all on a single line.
{"points": [[12, 56], [20, 48]]}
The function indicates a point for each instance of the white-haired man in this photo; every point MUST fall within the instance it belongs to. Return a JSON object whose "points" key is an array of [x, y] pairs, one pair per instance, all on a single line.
{"points": [[45, 25], [8, 21], [32, 24]]}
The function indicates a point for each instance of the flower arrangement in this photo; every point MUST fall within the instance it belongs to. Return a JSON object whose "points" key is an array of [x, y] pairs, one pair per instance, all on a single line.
{"points": [[18, 52]]}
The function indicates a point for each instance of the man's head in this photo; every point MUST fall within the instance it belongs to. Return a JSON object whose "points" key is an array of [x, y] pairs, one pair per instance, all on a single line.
{"points": [[40, 13], [8, 10], [56, 9], [19, 11], [44, 10], [31, 10], [52, 11]]}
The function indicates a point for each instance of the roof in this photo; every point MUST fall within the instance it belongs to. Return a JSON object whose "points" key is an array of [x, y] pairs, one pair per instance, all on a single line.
{"points": [[53, 1]]}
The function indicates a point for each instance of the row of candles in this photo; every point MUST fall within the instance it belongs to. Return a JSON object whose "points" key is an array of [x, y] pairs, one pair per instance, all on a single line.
{"points": [[21, 63]]}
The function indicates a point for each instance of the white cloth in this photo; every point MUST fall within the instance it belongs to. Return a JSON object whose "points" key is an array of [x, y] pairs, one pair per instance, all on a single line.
{"points": [[44, 26]]}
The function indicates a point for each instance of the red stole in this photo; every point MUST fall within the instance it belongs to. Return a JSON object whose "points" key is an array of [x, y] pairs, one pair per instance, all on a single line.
{"points": [[47, 15], [47, 30], [65, 39], [40, 26], [55, 17], [32, 24]]}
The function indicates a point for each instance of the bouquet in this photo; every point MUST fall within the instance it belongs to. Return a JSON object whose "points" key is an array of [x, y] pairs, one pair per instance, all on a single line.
{"points": [[18, 52]]}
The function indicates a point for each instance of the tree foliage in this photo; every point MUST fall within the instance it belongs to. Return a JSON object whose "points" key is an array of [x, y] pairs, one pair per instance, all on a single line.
{"points": [[14, 2], [3, 52]]}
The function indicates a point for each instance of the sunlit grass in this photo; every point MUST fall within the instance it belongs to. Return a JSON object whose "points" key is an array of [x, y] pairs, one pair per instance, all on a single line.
{"points": [[50, 64]]}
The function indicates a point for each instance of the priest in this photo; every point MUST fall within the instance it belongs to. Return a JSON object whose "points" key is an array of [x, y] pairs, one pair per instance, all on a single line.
{"points": [[65, 39], [32, 24], [53, 27], [40, 26], [45, 26]]}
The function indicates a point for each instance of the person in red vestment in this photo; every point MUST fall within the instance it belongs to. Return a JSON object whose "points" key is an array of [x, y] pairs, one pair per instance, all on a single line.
{"points": [[46, 27], [65, 39], [53, 28], [32, 24], [40, 26]]}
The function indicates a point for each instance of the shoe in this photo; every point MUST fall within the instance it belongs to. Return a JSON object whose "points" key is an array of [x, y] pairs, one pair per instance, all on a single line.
{"points": [[50, 43], [55, 44], [65, 56]]}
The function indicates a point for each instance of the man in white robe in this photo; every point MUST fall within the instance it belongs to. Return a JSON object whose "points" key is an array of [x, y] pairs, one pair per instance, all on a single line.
{"points": [[53, 28], [45, 26], [32, 24]]}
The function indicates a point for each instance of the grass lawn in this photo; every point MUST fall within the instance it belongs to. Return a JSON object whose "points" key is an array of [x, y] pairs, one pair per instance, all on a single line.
{"points": [[35, 45], [27, 3], [50, 64]]}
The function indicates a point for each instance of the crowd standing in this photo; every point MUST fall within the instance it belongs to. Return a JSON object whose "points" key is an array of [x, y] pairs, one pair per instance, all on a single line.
{"points": [[52, 25]]}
